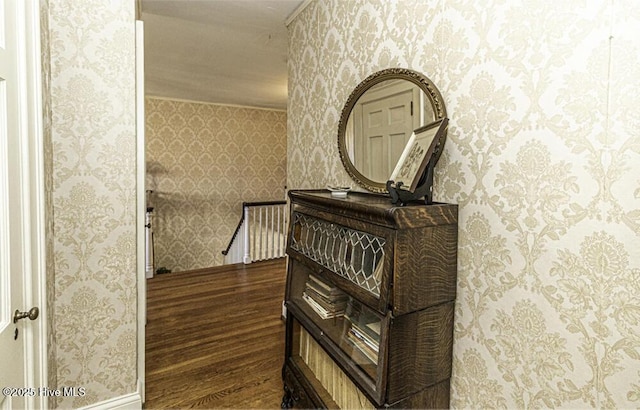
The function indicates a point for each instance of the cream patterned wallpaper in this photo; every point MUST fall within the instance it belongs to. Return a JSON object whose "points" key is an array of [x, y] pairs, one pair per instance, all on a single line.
{"points": [[542, 157], [203, 161], [89, 67]]}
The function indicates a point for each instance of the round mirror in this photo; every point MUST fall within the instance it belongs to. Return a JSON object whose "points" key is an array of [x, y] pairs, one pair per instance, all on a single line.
{"points": [[378, 120]]}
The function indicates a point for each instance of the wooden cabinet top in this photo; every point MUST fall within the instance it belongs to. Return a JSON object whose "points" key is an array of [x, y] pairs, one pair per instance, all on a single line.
{"points": [[378, 209]]}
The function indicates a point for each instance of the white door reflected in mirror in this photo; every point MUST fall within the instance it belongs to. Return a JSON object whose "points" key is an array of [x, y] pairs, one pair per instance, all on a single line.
{"points": [[378, 120]]}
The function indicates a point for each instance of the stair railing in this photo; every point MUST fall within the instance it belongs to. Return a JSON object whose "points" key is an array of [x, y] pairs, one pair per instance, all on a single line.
{"points": [[260, 233]]}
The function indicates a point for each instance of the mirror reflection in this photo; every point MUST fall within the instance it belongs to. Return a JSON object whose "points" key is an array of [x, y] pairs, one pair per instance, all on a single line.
{"points": [[381, 123], [378, 119]]}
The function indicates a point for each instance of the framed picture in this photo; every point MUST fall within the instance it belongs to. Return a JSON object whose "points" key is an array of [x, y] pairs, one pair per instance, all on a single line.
{"points": [[417, 153]]}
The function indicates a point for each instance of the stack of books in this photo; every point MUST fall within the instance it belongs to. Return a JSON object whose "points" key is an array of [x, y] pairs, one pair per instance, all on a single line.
{"points": [[364, 333], [326, 300]]}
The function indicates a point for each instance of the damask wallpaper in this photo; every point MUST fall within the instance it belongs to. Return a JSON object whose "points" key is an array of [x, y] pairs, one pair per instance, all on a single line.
{"points": [[90, 153], [542, 157], [203, 161]]}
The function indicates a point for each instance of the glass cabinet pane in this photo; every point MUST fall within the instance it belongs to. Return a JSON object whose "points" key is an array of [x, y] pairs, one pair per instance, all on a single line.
{"points": [[315, 363], [351, 326], [355, 255]]}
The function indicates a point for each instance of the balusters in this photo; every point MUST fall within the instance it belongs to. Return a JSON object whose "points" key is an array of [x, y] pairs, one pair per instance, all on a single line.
{"points": [[265, 231]]}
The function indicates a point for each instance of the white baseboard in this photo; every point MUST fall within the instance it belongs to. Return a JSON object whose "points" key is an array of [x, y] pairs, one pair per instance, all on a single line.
{"points": [[131, 401]]}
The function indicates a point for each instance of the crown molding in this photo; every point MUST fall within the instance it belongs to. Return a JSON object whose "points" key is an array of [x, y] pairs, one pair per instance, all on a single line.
{"points": [[297, 11]]}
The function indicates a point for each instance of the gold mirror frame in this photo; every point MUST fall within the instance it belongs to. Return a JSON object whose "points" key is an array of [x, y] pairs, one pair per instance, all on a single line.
{"points": [[423, 83]]}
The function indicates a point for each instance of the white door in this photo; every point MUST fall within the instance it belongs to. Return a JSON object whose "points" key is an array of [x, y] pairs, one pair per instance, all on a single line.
{"points": [[14, 256], [386, 127], [384, 120]]}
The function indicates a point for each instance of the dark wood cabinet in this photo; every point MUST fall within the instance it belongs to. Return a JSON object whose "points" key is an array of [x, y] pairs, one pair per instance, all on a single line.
{"points": [[370, 302]]}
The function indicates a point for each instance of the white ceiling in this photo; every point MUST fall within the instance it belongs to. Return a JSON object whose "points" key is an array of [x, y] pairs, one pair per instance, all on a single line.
{"points": [[231, 52]]}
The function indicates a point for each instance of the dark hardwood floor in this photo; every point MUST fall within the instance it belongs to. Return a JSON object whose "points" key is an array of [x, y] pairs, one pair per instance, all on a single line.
{"points": [[215, 338]]}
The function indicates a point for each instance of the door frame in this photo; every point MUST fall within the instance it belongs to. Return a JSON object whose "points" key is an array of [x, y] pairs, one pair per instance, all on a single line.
{"points": [[141, 207], [34, 196]]}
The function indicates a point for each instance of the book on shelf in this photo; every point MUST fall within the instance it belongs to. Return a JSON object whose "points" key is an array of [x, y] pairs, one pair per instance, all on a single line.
{"points": [[329, 298], [375, 263], [363, 318], [367, 338], [331, 305], [320, 310], [369, 350], [323, 288], [377, 273], [326, 300], [374, 327], [364, 330]]}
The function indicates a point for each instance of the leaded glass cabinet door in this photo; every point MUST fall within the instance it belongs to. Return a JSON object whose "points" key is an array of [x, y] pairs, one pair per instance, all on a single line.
{"points": [[355, 255]]}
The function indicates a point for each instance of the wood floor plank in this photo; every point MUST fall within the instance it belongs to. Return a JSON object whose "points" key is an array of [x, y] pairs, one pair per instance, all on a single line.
{"points": [[215, 339]]}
